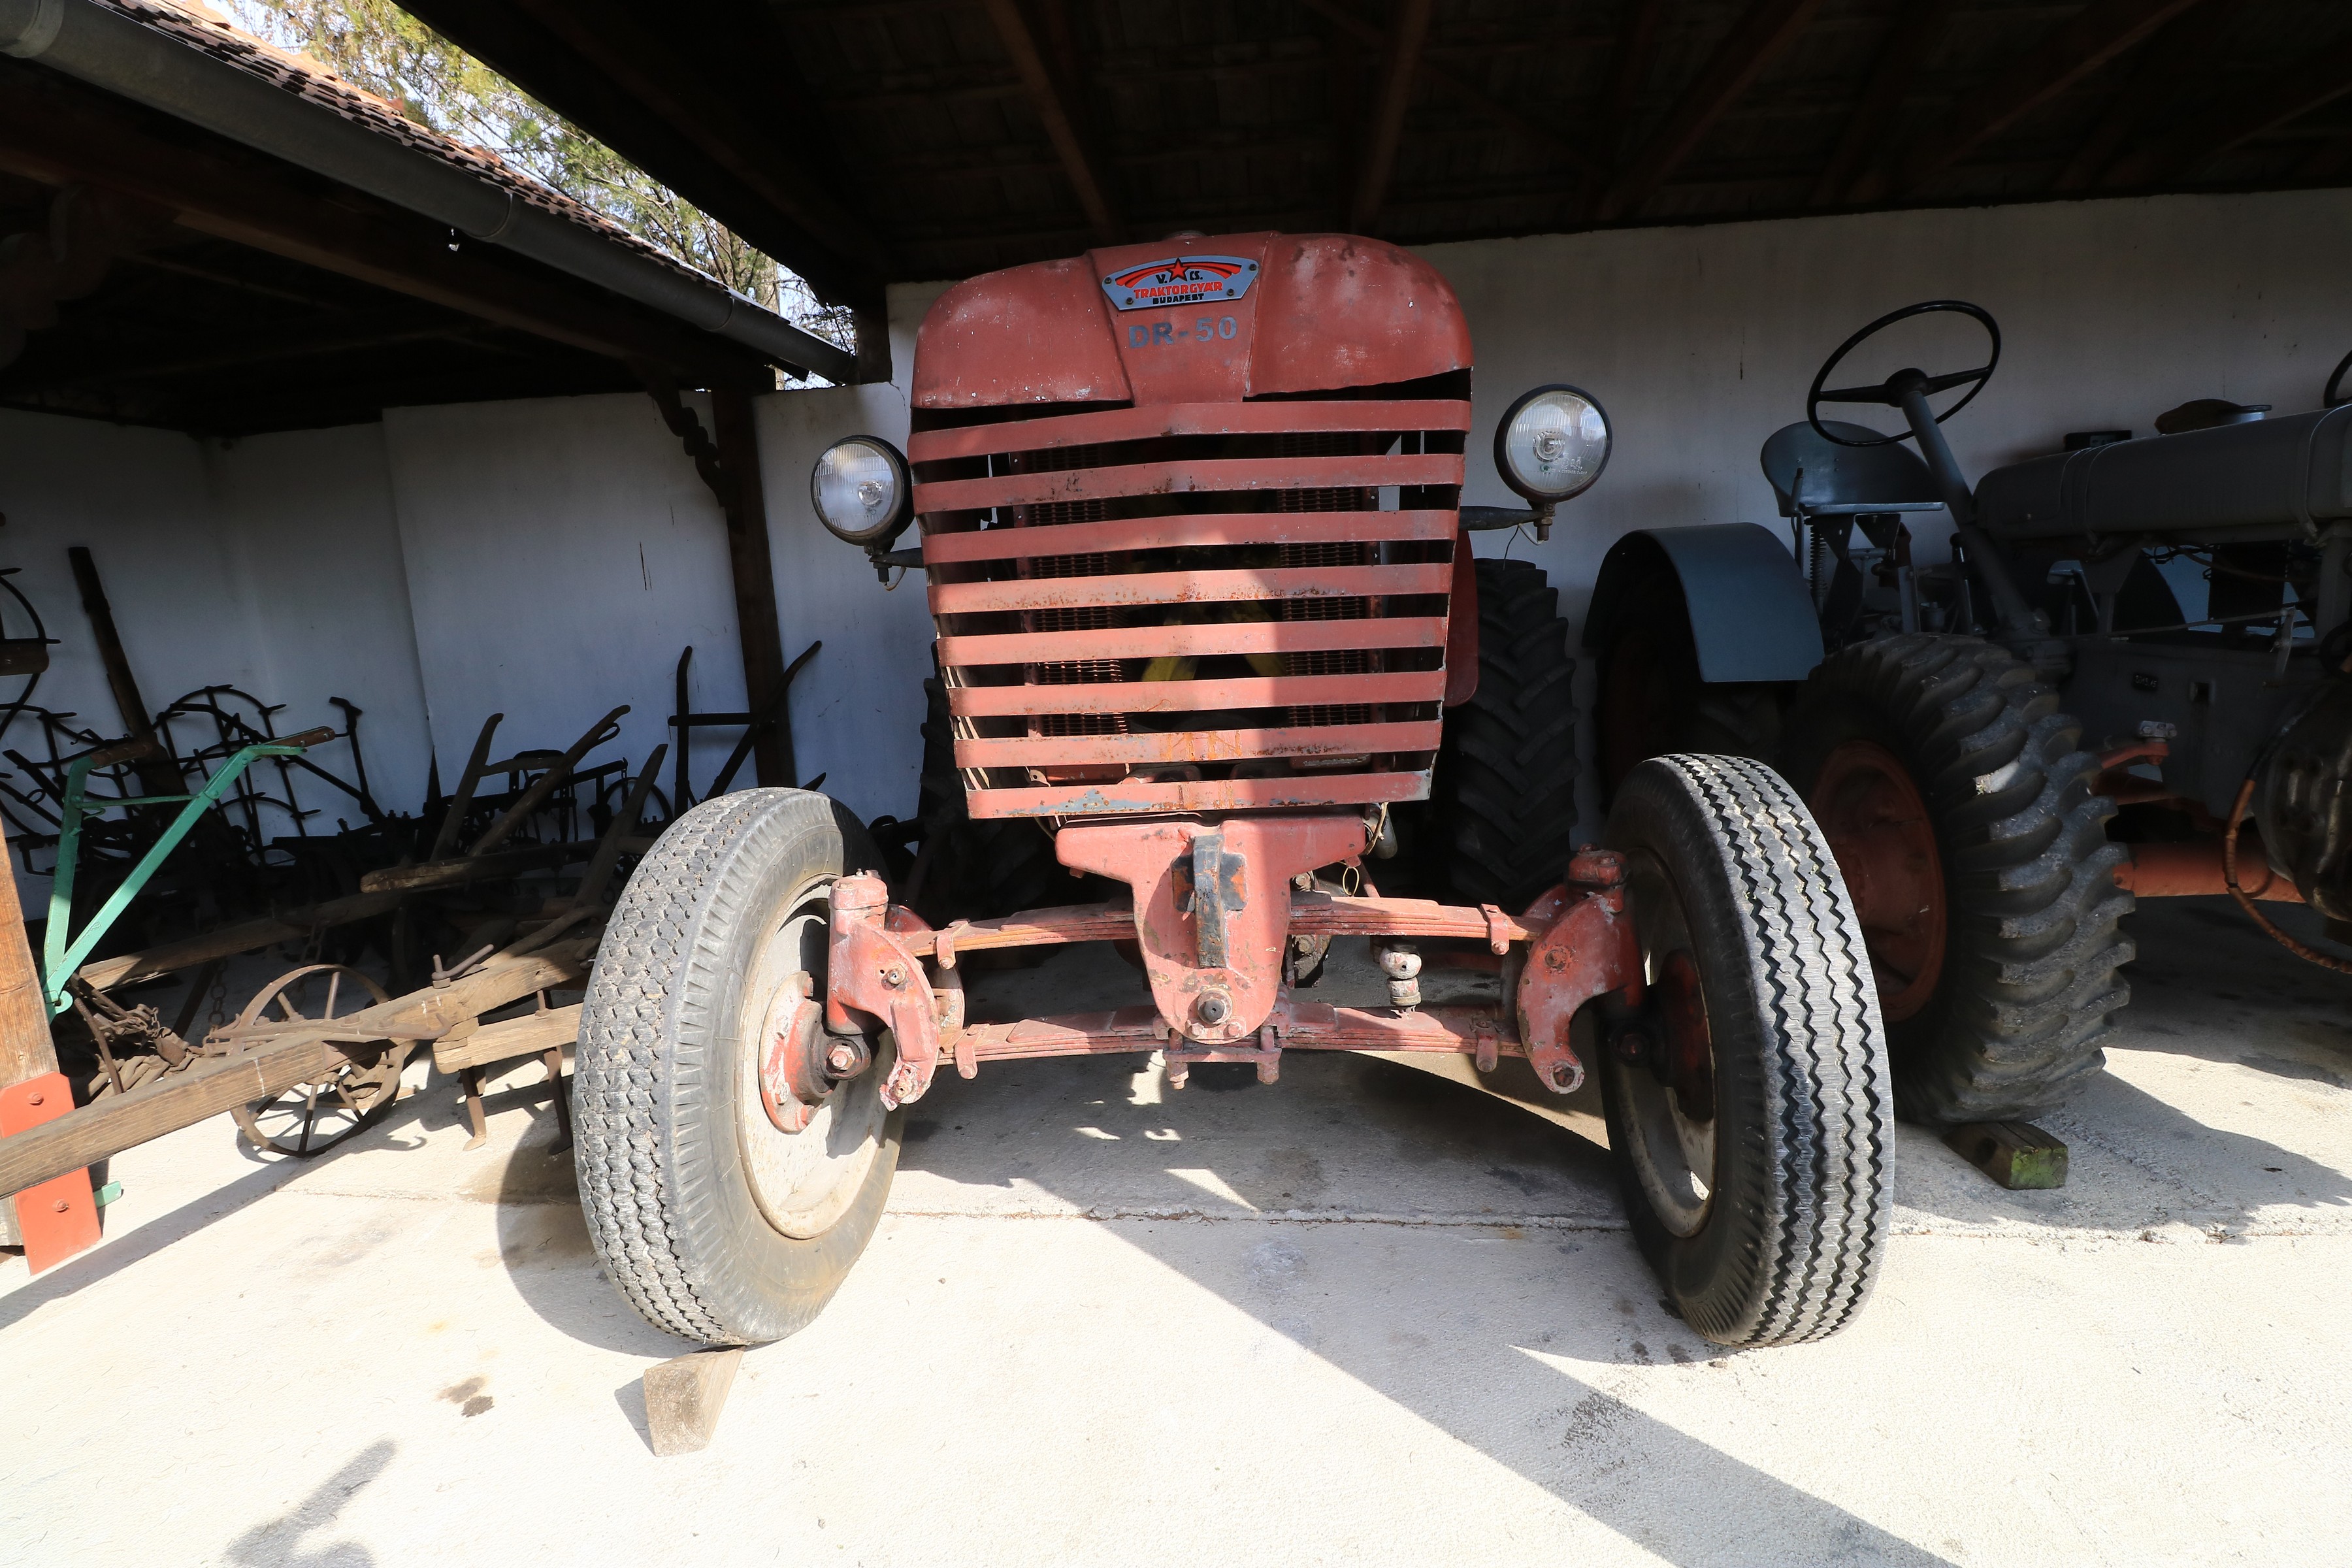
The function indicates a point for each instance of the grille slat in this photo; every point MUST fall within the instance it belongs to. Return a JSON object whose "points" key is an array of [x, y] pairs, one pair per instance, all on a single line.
{"points": [[1200, 607]]}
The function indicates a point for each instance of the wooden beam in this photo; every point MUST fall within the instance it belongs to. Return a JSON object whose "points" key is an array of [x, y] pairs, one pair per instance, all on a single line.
{"points": [[1918, 27], [2234, 120], [1046, 96], [1754, 40], [754, 573], [58, 133], [1408, 29], [2066, 54], [1460, 88], [1629, 72], [2167, 71]]}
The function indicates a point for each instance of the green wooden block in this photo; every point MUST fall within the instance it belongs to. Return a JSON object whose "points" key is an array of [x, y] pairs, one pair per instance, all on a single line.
{"points": [[2017, 1154]]}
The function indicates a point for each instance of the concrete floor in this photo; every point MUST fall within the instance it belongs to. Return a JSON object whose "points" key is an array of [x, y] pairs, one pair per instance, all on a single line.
{"points": [[1363, 1317]]}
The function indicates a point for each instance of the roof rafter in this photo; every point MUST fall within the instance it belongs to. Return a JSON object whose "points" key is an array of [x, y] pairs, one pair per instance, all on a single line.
{"points": [[1408, 29], [1084, 168], [1637, 51], [2173, 61], [1461, 88], [2239, 118], [1913, 36], [2066, 54], [1754, 40]]}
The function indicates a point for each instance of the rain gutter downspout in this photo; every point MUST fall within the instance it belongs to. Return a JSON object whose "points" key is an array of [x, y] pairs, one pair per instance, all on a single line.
{"points": [[108, 50]]}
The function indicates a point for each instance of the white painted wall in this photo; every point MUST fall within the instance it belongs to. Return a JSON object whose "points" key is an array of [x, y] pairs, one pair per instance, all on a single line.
{"points": [[270, 564], [559, 553], [1701, 342]]}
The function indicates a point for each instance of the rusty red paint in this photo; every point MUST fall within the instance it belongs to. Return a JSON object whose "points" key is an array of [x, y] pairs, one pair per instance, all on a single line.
{"points": [[1327, 310], [1186, 696], [1135, 797], [1587, 949], [1186, 419], [1877, 826], [1194, 640], [1299, 1026], [57, 1218], [871, 971], [789, 1085], [1690, 1040], [1204, 745], [1218, 475], [1186, 531], [1154, 858], [1262, 586], [2193, 868]]}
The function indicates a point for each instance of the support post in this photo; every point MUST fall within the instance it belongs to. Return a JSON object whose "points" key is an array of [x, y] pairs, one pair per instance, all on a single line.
{"points": [[25, 1051], [756, 626]]}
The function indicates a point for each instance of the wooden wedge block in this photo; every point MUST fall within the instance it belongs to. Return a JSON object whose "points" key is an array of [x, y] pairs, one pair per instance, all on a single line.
{"points": [[684, 1397], [2017, 1154]]}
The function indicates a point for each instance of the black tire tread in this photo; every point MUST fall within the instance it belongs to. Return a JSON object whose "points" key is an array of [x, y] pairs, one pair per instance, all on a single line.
{"points": [[1502, 810], [1815, 1246], [2032, 980], [657, 981]]}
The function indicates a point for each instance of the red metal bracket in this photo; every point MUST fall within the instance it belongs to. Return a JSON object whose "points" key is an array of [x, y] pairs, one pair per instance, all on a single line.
{"points": [[872, 971], [59, 1217], [1587, 949], [1212, 904]]}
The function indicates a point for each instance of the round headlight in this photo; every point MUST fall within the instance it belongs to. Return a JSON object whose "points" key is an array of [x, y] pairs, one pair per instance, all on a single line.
{"points": [[1552, 444], [862, 490]]}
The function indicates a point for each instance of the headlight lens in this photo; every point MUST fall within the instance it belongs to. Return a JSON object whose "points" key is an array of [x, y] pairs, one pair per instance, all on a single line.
{"points": [[1552, 444], [862, 490]]}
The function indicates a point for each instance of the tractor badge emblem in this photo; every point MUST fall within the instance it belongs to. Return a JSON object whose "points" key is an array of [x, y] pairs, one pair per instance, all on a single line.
{"points": [[1180, 280]]}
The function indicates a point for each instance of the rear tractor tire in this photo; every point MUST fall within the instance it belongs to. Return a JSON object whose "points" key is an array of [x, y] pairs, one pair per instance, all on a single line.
{"points": [[1748, 1103], [717, 1224], [1959, 806], [1501, 820]]}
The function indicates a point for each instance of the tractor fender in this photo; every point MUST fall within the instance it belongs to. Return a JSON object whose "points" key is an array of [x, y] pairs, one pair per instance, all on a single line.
{"points": [[1751, 615]]}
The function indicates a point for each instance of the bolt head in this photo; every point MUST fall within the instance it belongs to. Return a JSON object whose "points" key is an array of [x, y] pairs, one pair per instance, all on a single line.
{"points": [[36, 1099], [893, 977], [841, 1058], [1211, 1007], [61, 1205]]}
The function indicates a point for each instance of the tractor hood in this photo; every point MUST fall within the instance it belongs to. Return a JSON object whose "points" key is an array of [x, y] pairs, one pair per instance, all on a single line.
{"points": [[1195, 319]]}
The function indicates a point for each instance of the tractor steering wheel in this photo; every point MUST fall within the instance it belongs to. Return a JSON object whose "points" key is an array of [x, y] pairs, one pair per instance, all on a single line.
{"points": [[2333, 396], [1891, 392]]}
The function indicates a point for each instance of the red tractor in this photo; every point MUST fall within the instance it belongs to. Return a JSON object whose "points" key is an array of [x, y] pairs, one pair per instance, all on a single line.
{"points": [[1210, 636]]}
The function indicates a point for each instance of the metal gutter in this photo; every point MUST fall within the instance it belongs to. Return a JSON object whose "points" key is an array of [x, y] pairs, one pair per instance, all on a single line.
{"points": [[110, 51]]}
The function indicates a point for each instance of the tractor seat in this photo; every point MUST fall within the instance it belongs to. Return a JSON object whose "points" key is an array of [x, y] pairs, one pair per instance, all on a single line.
{"points": [[1845, 480]]}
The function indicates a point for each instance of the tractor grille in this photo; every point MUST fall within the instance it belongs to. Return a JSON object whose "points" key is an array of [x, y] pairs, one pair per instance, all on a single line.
{"points": [[1193, 606]]}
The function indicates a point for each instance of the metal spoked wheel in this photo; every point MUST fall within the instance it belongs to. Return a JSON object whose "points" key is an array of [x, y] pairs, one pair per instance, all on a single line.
{"points": [[311, 1118]]}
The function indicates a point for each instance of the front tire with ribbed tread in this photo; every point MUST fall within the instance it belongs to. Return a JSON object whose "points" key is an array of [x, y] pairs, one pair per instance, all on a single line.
{"points": [[1782, 1238], [2030, 983], [665, 1176]]}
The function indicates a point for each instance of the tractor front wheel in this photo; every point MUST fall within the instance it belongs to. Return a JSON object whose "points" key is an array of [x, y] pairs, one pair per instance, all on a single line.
{"points": [[718, 1223], [1748, 1102]]}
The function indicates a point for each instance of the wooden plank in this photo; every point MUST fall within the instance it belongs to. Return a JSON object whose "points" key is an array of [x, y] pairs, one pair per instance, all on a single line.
{"points": [[2168, 70], [684, 1397], [25, 1051], [1756, 40], [1918, 27], [460, 870], [510, 1037], [1376, 161], [116, 1122], [2237, 119], [2067, 53], [105, 974], [2017, 1154], [1057, 114]]}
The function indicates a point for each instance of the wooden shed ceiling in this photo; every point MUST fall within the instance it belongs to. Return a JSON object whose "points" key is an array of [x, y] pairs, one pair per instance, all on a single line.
{"points": [[869, 140]]}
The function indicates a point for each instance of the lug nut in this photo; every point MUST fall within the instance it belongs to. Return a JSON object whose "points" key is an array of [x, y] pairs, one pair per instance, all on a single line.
{"points": [[847, 1058], [894, 977], [1212, 1008], [1632, 1048]]}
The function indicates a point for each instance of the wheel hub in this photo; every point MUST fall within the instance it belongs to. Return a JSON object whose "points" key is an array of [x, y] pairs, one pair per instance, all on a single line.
{"points": [[1878, 828]]}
